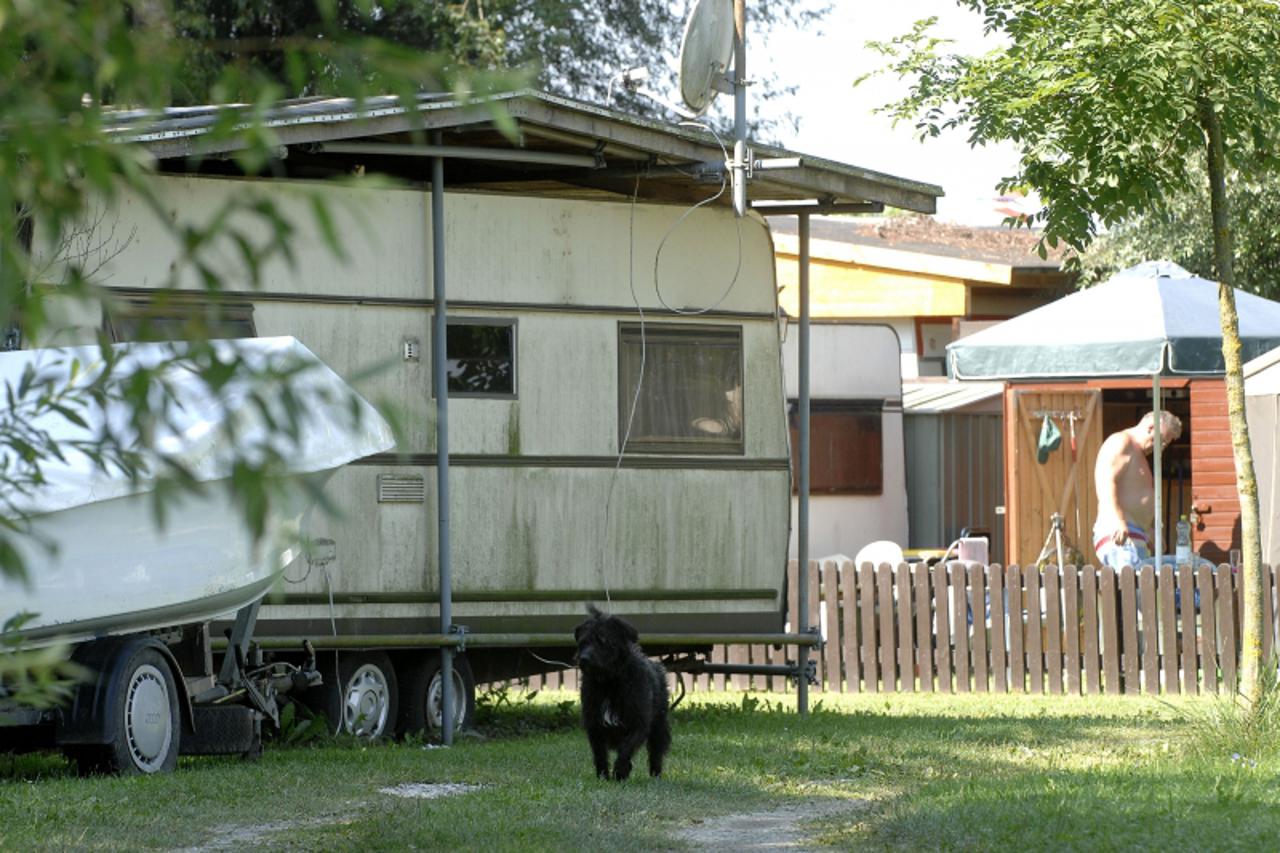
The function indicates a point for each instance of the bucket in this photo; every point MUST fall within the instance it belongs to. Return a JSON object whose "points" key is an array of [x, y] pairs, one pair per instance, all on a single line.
{"points": [[973, 548]]}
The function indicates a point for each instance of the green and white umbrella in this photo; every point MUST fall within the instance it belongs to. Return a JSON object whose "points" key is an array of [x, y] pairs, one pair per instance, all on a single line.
{"points": [[1152, 319]]}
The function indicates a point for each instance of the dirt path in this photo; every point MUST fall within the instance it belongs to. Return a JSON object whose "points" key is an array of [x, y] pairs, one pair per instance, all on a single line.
{"points": [[783, 828], [239, 836]]}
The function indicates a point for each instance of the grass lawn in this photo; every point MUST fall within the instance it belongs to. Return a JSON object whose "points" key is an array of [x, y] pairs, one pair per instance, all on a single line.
{"points": [[909, 772]]}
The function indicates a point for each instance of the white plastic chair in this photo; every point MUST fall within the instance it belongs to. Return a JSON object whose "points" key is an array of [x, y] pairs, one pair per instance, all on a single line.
{"points": [[880, 551]]}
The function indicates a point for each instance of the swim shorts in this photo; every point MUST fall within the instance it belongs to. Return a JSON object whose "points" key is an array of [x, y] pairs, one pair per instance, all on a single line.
{"points": [[1131, 553]]}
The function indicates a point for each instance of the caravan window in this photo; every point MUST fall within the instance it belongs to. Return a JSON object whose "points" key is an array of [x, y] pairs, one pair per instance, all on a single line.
{"points": [[480, 357], [690, 396], [166, 316], [846, 447]]}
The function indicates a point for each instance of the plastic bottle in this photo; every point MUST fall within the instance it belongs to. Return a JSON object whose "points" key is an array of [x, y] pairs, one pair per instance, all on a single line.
{"points": [[1182, 553]]}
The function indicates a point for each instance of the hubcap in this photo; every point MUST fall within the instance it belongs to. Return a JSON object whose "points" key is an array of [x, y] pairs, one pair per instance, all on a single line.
{"points": [[367, 703], [148, 727], [435, 701]]}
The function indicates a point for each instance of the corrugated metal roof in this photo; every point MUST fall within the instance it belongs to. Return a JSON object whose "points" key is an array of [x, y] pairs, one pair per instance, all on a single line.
{"points": [[1014, 247], [930, 397], [625, 145]]}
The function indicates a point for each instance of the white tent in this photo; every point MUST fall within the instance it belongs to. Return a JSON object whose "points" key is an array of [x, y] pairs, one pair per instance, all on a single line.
{"points": [[1262, 405]]}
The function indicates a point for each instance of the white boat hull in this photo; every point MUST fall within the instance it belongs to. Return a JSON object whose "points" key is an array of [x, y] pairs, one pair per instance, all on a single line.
{"points": [[97, 560], [114, 571]]}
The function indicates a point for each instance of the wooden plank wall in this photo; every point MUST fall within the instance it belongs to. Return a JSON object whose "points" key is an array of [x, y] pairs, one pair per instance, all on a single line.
{"points": [[1213, 472]]}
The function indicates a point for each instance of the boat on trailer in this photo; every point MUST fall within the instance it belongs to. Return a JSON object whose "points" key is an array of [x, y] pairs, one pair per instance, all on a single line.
{"points": [[106, 554]]}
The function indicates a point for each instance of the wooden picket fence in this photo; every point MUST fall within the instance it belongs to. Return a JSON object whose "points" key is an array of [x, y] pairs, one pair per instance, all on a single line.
{"points": [[965, 627]]}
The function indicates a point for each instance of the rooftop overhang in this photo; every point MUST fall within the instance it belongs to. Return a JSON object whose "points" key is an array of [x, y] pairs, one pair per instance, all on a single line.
{"points": [[900, 260], [854, 280], [554, 147], [932, 397]]}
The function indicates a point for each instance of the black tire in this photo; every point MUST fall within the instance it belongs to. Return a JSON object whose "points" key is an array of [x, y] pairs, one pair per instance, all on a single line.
{"points": [[363, 701], [147, 727], [421, 688]]}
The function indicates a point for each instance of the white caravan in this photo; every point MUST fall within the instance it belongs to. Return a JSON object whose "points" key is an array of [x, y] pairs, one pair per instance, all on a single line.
{"points": [[618, 433]]}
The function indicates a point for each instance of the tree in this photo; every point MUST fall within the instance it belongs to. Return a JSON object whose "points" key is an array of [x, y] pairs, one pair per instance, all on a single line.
{"points": [[68, 69], [232, 46], [575, 47], [1107, 100], [1180, 230]]}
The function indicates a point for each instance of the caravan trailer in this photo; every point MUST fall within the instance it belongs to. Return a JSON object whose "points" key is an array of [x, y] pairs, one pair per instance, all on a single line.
{"points": [[618, 430], [859, 490]]}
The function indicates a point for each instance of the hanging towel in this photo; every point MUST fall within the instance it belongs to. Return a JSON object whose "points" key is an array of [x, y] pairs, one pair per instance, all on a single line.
{"points": [[1050, 439]]}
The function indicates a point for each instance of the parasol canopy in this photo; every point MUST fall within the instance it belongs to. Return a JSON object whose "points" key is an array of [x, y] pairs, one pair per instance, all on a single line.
{"points": [[1152, 319]]}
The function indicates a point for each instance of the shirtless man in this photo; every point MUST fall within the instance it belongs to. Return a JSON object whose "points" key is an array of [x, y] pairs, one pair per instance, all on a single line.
{"points": [[1126, 493]]}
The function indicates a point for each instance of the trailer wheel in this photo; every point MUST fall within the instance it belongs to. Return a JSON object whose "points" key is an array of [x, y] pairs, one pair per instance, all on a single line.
{"points": [[363, 700], [422, 702], [146, 729]]}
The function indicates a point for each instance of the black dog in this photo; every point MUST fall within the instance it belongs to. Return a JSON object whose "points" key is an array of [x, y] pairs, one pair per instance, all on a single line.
{"points": [[624, 695]]}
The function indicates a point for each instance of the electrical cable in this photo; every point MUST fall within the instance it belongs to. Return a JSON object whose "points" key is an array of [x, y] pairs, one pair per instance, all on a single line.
{"points": [[635, 298], [635, 398], [539, 657], [337, 674], [333, 625], [657, 256], [285, 577]]}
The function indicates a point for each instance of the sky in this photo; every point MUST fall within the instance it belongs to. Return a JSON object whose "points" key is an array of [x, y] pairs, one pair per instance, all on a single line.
{"points": [[837, 121]]}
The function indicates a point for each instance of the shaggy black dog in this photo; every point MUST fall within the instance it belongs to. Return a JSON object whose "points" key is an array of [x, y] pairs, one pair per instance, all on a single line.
{"points": [[624, 695]]}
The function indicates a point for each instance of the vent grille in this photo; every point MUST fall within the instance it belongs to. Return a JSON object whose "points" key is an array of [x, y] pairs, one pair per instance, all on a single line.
{"points": [[401, 488]]}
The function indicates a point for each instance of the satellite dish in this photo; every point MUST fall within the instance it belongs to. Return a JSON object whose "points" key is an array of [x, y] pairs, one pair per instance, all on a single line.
{"points": [[705, 51]]}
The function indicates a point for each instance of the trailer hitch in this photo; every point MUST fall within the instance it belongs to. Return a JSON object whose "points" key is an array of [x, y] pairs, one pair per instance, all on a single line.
{"points": [[286, 678], [243, 683], [308, 675]]}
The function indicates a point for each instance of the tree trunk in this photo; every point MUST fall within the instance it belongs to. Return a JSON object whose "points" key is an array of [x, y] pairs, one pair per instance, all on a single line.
{"points": [[1246, 482]]}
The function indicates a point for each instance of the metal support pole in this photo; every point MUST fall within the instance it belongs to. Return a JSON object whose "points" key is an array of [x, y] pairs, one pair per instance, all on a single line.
{"points": [[561, 639], [238, 644], [802, 532], [740, 107], [439, 329], [1157, 466], [784, 670]]}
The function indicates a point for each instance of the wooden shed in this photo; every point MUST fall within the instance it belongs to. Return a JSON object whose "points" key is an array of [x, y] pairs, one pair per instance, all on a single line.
{"points": [[1094, 363], [1198, 469]]}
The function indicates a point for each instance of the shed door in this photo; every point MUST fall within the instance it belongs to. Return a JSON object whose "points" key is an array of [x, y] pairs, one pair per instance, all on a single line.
{"points": [[1064, 483]]}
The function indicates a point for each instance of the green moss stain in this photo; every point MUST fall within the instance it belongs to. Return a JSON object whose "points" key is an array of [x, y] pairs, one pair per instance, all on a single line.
{"points": [[522, 575], [513, 430], [528, 556]]}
